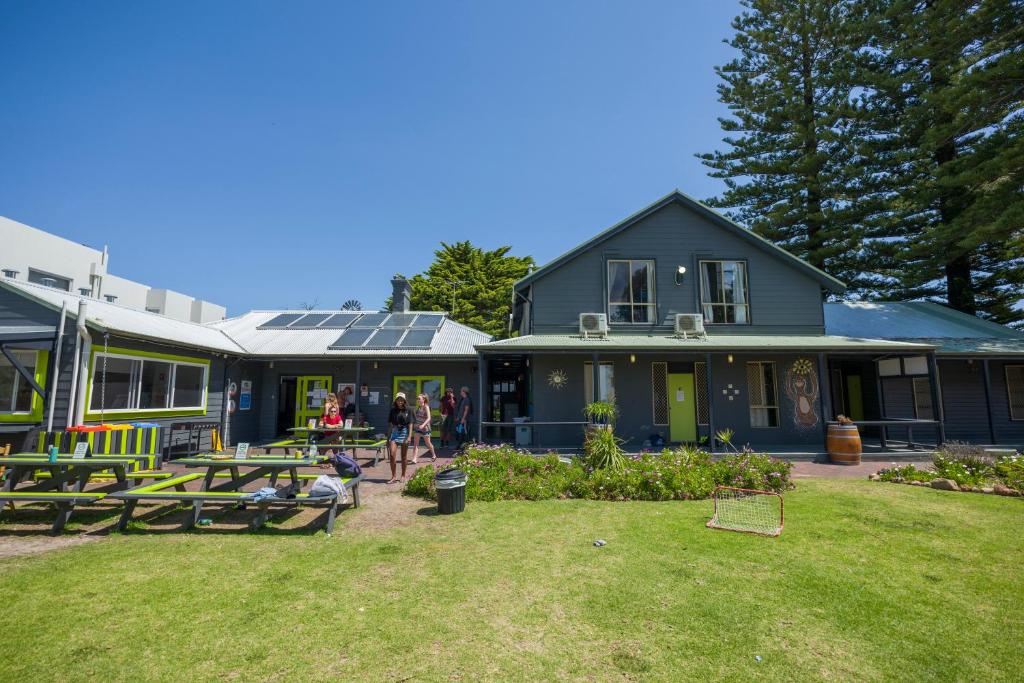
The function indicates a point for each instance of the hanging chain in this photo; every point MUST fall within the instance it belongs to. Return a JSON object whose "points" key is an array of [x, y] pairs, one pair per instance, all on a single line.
{"points": [[103, 380]]}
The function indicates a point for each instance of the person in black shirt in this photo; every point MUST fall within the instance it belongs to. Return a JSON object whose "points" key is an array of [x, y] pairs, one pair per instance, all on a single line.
{"points": [[400, 421]]}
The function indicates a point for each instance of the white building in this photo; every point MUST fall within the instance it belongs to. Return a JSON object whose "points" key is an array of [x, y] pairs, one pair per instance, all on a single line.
{"points": [[33, 255]]}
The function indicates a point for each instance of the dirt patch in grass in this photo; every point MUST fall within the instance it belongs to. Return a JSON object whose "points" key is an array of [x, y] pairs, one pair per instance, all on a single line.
{"points": [[18, 545], [384, 507]]}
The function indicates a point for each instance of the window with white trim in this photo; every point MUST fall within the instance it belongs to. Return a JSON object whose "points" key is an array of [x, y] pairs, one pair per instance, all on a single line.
{"points": [[763, 394], [723, 292], [139, 383], [1015, 390], [631, 291], [923, 408], [606, 382], [15, 393]]}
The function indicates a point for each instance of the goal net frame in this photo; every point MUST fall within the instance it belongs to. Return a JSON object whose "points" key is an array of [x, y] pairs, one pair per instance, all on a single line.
{"points": [[759, 522]]}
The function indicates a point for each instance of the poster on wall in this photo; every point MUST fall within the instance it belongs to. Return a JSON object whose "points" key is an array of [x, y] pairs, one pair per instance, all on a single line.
{"points": [[347, 390], [374, 398], [245, 398]]}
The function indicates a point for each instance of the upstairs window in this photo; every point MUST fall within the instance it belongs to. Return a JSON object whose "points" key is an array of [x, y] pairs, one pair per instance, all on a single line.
{"points": [[723, 292], [631, 291]]}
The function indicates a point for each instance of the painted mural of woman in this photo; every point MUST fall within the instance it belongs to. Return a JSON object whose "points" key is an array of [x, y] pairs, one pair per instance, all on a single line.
{"points": [[801, 385]]}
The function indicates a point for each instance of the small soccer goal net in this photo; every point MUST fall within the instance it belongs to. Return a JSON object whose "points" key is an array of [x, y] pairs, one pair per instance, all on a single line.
{"points": [[755, 512]]}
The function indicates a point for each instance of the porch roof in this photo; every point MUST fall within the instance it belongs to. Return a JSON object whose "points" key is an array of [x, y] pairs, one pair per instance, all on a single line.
{"points": [[718, 342]]}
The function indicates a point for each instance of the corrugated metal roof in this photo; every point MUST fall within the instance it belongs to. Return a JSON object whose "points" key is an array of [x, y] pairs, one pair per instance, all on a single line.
{"points": [[453, 340], [128, 322], [718, 342], [950, 331]]}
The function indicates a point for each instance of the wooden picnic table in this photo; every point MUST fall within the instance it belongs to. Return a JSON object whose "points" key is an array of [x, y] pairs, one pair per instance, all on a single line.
{"points": [[261, 467], [67, 471]]}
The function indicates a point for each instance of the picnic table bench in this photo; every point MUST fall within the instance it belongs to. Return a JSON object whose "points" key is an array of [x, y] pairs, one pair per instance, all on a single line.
{"points": [[63, 500], [163, 491], [289, 444]]}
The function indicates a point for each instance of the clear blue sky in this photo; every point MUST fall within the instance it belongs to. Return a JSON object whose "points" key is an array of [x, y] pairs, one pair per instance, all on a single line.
{"points": [[263, 154]]}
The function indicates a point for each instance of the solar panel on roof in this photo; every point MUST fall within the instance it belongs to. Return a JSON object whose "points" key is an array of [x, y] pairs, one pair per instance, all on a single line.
{"points": [[428, 320], [282, 320], [418, 339], [385, 338], [370, 320], [400, 320], [352, 338], [339, 321], [309, 321]]}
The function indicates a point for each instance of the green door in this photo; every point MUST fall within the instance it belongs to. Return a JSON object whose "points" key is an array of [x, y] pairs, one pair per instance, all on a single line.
{"points": [[855, 397], [682, 411], [310, 394], [431, 385]]}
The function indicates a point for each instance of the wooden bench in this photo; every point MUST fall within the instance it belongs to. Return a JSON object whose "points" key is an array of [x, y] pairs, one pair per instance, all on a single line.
{"points": [[64, 502], [162, 491]]}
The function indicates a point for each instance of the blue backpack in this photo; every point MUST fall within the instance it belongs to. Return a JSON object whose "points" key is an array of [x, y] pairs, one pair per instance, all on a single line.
{"points": [[346, 466]]}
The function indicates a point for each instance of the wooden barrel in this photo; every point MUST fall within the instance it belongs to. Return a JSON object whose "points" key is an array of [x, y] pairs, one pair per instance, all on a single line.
{"points": [[843, 444]]}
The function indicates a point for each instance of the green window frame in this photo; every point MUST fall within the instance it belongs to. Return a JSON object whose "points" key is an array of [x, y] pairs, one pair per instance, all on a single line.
{"points": [[141, 386], [8, 404]]}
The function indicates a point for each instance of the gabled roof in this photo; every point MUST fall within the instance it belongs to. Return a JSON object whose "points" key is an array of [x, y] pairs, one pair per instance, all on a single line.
{"points": [[127, 322], [718, 219], [676, 197], [952, 331], [452, 340]]}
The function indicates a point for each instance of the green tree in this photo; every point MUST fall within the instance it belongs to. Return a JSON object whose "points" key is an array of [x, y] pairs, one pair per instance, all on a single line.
{"points": [[791, 170], [940, 130], [474, 285]]}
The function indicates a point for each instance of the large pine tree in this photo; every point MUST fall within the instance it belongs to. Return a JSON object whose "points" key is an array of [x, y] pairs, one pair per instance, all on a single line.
{"points": [[791, 170], [940, 135]]}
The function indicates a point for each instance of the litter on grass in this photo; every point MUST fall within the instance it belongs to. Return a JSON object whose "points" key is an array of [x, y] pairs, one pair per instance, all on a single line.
{"points": [[599, 543]]}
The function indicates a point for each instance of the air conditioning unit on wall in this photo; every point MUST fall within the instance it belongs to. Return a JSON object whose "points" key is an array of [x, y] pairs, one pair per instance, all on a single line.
{"points": [[688, 324], [593, 325]]}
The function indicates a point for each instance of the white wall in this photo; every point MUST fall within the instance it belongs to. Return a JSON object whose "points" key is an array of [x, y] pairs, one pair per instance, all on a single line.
{"points": [[25, 247]]}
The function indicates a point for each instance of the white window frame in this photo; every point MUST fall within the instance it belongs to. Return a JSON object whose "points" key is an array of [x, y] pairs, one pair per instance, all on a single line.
{"points": [[135, 390], [1009, 396], [775, 381], [651, 305], [604, 383], [722, 304], [18, 379]]}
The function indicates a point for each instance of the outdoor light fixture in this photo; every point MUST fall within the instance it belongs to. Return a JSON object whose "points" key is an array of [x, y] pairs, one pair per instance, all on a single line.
{"points": [[729, 358], [680, 272], [376, 365], [632, 358]]}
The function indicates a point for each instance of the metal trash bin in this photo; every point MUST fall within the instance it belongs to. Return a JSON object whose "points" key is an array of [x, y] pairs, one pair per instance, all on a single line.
{"points": [[451, 491]]}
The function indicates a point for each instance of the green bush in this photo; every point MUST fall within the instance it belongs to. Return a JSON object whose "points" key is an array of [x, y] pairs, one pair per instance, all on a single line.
{"points": [[1010, 470], [965, 464], [905, 473], [603, 450], [504, 473]]}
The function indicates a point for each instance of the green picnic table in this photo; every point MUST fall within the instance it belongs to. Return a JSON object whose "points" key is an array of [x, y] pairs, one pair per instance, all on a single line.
{"points": [[65, 487], [340, 430], [259, 466]]}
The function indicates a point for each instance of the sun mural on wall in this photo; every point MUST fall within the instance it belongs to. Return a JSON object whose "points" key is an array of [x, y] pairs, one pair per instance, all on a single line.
{"points": [[801, 385], [557, 379]]}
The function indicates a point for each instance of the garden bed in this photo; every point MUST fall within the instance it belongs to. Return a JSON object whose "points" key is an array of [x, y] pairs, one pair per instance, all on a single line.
{"points": [[961, 467], [504, 473]]}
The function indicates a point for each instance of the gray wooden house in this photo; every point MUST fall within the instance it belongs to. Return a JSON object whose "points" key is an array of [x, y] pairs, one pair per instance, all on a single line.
{"points": [[692, 324]]}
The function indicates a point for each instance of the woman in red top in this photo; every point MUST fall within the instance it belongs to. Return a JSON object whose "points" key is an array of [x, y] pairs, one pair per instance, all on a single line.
{"points": [[331, 418], [447, 415]]}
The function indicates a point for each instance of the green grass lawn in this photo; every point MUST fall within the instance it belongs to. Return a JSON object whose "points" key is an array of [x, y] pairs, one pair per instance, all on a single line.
{"points": [[868, 581]]}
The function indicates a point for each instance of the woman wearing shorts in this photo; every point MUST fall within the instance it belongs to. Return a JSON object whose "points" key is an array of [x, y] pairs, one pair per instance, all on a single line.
{"points": [[421, 430], [400, 422]]}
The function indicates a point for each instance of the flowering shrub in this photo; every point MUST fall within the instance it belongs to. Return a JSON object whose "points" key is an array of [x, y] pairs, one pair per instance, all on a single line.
{"points": [[504, 473], [966, 465]]}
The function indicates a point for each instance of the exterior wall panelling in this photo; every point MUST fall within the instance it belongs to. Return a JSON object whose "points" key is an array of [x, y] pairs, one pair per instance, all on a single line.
{"points": [[456, 373], [783, 299]]}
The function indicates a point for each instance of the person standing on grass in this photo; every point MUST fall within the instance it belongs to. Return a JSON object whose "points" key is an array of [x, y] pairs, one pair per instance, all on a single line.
{"points": [[421, 430], [462, 413], [400, 421], [447, 416]]}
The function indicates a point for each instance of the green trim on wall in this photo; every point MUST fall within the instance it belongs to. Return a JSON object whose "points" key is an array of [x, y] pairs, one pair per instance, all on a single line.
{"points": [[143, 414], [36, 414]]}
